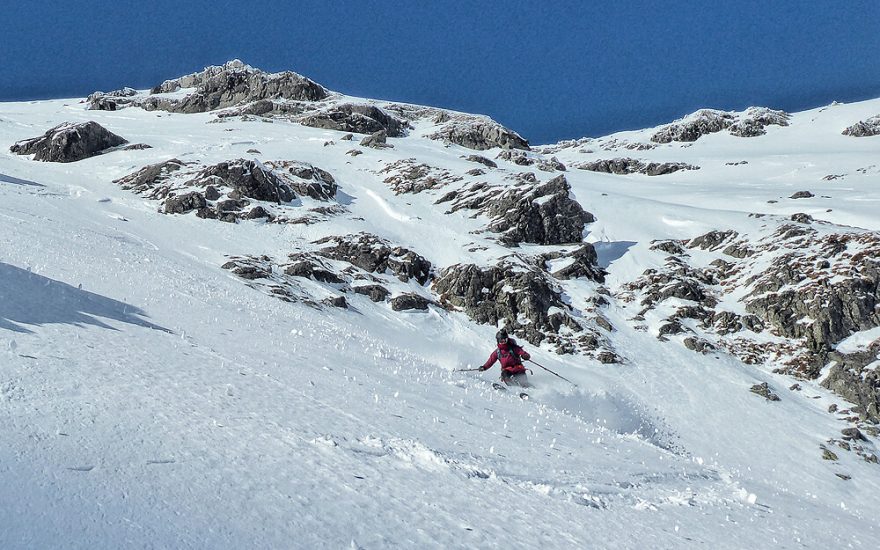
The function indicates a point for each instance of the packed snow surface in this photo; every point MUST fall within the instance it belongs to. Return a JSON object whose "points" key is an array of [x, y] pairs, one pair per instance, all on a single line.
{"points": [[151, 399]]}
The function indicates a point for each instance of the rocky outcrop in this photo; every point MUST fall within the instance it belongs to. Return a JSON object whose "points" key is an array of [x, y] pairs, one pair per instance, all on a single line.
{"points": [[111, 101], [755, 120], [527, 302], [479, 133], [184, 203], [543, 214], [376, 255], [854, 377], [376, 293], [821, 307], [69, 142], [360, 119], [227, 189], [305, 179], [482, 160], [864, 128], [154, 180], [249, 178], [694, 126], [377, 140], [750, 123], [410, 176], [219, 87], [579, 263], [530, 212], [409, 301], [623, 166]]}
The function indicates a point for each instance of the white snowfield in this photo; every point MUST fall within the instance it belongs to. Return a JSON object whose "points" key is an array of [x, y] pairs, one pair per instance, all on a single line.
{"points": [[150, 399]]}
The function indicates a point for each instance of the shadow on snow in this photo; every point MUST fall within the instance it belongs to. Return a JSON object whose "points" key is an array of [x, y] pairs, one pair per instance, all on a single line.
{"points": [[18, 181], [30, 299]]}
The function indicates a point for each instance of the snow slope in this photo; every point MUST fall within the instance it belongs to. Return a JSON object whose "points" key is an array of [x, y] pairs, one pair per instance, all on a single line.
{"points": [[154, 400]]}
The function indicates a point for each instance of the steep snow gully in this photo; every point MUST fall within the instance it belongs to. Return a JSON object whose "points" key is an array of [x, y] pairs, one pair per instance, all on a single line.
{"points": [[242, 325]]}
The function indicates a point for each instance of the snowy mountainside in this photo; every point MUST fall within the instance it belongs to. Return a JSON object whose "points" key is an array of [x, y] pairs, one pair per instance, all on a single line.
{"points": [[243, 330]]}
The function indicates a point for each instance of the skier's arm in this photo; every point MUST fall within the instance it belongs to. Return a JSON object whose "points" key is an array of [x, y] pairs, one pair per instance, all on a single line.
{"points": [[491, 361], [523, 353]]}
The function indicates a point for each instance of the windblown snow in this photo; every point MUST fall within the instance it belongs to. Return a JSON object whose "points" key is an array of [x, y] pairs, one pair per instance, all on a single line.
{"points": [[153, 399]]}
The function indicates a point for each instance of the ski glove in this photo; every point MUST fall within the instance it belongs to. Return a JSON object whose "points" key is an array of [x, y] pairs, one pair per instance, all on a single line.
{"points": [[526, 356]]}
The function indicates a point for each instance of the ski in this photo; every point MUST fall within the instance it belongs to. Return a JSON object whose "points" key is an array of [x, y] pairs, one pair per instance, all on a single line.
{"points": [[498, 386]]}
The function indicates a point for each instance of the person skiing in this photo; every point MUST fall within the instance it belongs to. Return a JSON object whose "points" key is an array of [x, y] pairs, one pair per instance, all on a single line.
{"points": [[510, 354]]}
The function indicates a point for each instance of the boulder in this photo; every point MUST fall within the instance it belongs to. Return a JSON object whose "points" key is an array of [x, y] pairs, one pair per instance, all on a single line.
{"points": [[378, 140], [864, 128], [306, 180], [360, 119], [184, 203], [69, 142], [375, 255], [233, 83], [482, 160], [153, 176], [541, 214], [479, 133], [763, 389], [248, 177], [409, 301], [528, 302], [376, 293]]}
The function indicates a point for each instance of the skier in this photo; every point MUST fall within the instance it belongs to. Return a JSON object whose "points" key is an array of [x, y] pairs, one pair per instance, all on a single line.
{"points": [[511, 354]]}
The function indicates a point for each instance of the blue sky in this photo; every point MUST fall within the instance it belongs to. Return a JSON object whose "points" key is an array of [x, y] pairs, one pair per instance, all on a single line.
{"points": [[550, 70]]}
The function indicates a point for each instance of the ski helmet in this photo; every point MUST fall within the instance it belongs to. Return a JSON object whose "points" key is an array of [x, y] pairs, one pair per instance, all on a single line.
{"points": [[501, 335]]}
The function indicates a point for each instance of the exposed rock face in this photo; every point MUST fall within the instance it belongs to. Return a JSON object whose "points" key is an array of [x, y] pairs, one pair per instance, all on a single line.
{"points": [[218, 87], [763, 389], [234, 83], [623, 166], [376, 293], [751, 123], [802, 195], [69, 142], [505, 295], [756, 119], [479, 133], [227, 188], [375, 255], [249, 178], [531, 212], [545, 214], [582, 262], [184, 203], [378, 140], [360, 119], [482, 160], [409, 176], [306, 267], [153, 180], [693, 127], [837, 301], [409, 301], [864, 128], [850, 377], [307, 180], [809, 286], [110, 101]]}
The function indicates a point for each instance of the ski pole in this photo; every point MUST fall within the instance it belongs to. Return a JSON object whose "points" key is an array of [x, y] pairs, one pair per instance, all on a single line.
{"points": [[466, 370], [553, 373]]}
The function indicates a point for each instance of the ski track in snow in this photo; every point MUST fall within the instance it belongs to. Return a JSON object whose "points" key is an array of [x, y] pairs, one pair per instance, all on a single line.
{"points": [[152, 400]]}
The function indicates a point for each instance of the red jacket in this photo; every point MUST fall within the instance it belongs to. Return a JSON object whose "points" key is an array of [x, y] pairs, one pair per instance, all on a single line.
{"points": [[510, 355]]}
